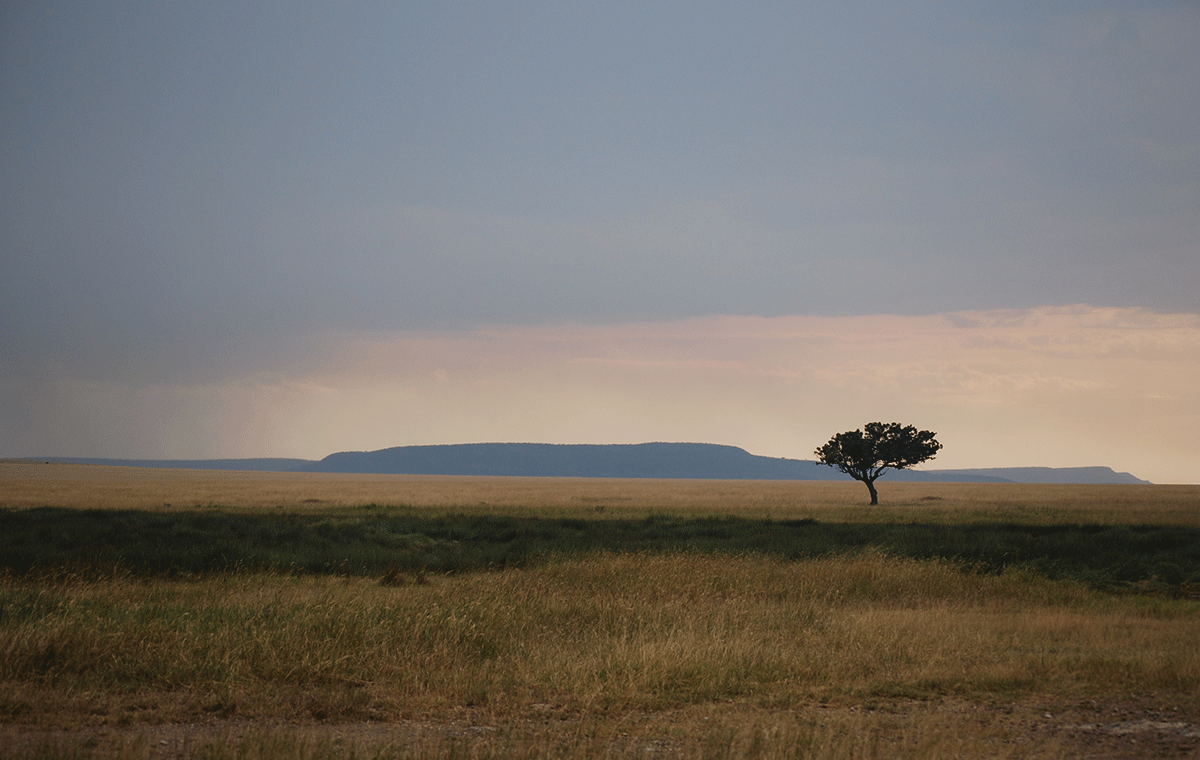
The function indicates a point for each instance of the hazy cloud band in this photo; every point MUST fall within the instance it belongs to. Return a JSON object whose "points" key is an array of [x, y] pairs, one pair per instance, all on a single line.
{"points": [[1064, 386]]}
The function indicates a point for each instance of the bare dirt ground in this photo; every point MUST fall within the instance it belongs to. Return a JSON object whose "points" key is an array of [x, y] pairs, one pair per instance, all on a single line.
{"points": [[1031, 728]]}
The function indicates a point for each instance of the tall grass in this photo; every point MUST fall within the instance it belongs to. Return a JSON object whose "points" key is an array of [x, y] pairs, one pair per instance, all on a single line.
{"points": [[521, 618], [373, 540], [593, 634], [718, 735]]}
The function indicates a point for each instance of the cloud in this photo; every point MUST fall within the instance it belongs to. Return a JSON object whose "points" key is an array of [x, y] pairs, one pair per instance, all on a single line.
{"points": [[181, 184], [259, 222], [1066, 386]]}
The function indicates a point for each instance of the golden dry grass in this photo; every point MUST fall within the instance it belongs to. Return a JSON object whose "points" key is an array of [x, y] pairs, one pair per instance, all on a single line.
{"points": [[25, 485], [607, 655], [600, 638]]}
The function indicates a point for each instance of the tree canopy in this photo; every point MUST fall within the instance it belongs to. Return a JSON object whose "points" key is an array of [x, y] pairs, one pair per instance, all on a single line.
{"points": [[865, 454]]}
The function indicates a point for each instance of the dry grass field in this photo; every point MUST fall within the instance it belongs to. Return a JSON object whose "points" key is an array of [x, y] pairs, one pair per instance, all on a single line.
{"points": [[603, 653], [25, 485]]}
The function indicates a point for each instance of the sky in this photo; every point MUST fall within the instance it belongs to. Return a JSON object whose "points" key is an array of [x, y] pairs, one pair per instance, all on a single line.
{"points": [[273, 229]]}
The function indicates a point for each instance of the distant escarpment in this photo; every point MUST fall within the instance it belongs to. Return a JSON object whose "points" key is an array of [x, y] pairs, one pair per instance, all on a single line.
{"points": [[656, 460], [640, 460]]}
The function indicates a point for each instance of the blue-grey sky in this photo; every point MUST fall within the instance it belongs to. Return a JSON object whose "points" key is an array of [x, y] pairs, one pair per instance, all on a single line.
{"points": [[194, 195]]}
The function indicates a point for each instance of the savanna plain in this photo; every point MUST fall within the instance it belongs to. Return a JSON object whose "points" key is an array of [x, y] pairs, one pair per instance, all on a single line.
{"points": [[192, 614]]}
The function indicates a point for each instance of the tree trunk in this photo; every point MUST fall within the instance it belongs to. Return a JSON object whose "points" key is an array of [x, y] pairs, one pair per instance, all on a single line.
{"points": [[874, 493]]}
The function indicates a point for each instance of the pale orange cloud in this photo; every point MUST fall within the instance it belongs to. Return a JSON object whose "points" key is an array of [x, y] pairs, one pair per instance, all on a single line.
{"points": [[1064, 386]]}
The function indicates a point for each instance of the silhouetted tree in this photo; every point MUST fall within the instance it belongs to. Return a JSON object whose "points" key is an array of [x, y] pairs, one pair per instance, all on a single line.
{"points": [[865, 454]]}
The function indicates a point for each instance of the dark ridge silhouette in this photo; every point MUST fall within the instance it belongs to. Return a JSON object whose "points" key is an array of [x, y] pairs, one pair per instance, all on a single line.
{"points": [[1078, 475], [642, 460], [705, 461], [657, 460]]}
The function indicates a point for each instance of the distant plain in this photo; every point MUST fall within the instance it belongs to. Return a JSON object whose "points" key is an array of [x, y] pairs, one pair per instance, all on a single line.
{"points": [[24, 484], [522, 617]]}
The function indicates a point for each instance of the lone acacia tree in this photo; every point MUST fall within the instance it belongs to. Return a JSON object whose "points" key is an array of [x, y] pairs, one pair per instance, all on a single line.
{"points": [[865, 454]]}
